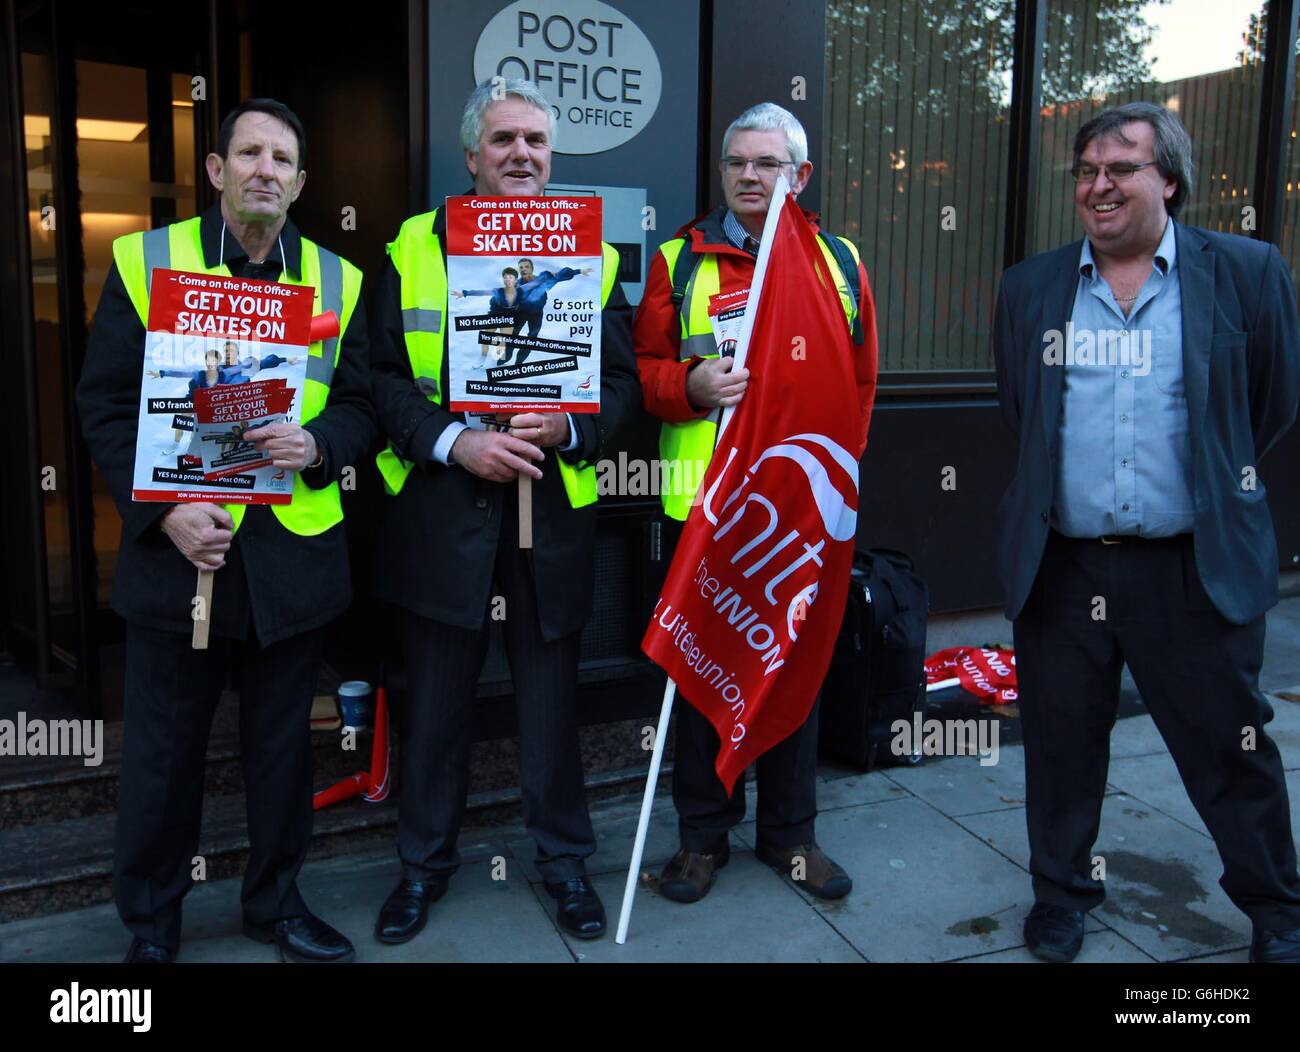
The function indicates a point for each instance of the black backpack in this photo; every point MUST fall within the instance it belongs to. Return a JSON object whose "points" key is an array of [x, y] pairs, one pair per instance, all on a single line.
{"points": [[877, 672]]}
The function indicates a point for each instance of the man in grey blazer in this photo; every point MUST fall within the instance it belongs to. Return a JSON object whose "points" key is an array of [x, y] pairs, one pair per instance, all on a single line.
{"points": [[1146, 370]]}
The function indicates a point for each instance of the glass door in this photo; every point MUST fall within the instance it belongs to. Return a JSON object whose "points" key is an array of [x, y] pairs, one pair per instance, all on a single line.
{"points": [[111, 134]]}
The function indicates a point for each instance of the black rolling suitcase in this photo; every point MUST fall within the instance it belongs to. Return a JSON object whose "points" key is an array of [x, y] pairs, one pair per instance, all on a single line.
{"points": [[877, 672]]}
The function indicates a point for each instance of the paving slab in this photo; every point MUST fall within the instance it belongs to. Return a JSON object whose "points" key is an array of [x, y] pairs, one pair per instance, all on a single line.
{"points": [[749, 916], [959, 785], [1284, 728], [1239, 956], [615, 835], [1100, 946], [856, 789], [1136, 736], [93, 935], [1293, 793], [924, 890], [1281, 654], [480, 919], [1162, 884], [1155, 782]]}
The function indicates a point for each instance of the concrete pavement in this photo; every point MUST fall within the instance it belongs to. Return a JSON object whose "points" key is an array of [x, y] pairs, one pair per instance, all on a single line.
{"points": [[938, 855]]}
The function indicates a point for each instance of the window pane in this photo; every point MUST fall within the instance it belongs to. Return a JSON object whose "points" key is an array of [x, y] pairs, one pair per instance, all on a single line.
{"points": [[914, 168], [1290, 245], [40, 151], [119, 193], [1203, 61]]}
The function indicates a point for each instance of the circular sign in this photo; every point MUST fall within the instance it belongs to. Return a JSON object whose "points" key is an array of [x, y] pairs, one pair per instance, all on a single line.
{"points": [[593, 63]]}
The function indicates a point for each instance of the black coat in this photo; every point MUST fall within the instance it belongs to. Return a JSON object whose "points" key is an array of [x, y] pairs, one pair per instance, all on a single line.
{"points": [[438, 540], [1241, 368], [284, 583]]}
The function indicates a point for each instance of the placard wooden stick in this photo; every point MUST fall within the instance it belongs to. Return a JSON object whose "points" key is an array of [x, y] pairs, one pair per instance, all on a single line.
{"points": [[202, 610]]}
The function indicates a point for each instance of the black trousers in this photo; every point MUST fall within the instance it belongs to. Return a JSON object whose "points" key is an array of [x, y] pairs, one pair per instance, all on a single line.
{"points": [[443, 664], [786, 773], [533, 321], [172, 692], [1094, 608], [787, 786]]}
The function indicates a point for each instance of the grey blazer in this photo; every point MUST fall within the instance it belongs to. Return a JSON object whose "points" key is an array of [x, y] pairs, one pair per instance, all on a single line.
{"points": [[1241, 371]]}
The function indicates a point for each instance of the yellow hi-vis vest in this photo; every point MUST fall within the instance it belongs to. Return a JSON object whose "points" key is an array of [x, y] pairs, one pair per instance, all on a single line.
{"points": [[338, 286], [417, 257], [685, 449]]}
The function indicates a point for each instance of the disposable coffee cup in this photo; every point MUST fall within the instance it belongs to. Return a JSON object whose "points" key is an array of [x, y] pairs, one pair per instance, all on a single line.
{"points": [[354, 704]]}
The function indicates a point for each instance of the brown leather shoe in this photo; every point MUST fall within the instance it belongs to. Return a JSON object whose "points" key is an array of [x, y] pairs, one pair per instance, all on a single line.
{"points": [[689, 875], [810, 868]]}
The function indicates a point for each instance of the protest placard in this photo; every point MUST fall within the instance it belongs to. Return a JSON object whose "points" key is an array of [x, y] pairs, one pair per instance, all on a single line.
{"points": [[222, 356], [524, 283], [726, 315]]}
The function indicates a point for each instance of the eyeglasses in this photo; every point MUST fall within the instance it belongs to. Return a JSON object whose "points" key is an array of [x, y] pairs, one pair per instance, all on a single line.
{"points": [[763, 166], [1120, 170]]}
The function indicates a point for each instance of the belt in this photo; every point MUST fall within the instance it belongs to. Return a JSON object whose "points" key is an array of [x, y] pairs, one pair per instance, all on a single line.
{"points": [[1127, 538]]}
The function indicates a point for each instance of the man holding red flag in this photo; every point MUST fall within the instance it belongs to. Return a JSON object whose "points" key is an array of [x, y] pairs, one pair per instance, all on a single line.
{"points": [[765, 559]]}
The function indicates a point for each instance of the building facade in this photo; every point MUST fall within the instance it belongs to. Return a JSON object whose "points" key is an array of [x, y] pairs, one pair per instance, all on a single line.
{"points": [[940, 131]]}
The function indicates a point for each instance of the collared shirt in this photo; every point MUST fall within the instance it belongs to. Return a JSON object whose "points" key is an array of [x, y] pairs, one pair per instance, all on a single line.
{"points": [[220, 245], [737, 234], [1124, 463]]}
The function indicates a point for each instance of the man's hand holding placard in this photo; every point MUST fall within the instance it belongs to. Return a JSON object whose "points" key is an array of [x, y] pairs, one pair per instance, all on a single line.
{"points": [[288, 445], [541, 429], [201, 531], [497, 456]]}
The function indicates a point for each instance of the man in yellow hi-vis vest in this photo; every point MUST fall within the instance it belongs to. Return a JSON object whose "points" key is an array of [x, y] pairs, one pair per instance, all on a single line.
{"points": [[282, 571], [449, 544], [687, 383]]}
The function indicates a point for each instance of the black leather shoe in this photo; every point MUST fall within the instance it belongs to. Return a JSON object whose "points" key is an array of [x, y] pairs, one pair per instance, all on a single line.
{"points": [[688, 875], [580, 913], [141, 952], [1275, 947], [404, 912], [1054, 933], [305, 940]]}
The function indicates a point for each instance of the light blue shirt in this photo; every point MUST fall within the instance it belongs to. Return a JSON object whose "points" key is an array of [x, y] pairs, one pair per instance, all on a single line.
{"points": [[1124, 462]]}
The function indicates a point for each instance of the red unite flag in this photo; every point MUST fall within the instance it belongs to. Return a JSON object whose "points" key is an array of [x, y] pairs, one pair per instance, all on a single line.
{"points": [[747, 619]]}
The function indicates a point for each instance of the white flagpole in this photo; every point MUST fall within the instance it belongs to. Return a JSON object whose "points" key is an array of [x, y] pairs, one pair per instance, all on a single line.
{"points": [[652, 780], [779, 193], [756, 286]]}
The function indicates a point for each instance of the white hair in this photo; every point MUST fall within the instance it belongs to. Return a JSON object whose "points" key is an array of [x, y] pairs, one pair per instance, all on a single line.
{"points": [[768, 116], [497, 90]]}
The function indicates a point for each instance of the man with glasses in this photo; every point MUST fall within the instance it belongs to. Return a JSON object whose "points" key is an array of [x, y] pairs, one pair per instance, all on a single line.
{"points": [[1146, 371], [686, 383]]}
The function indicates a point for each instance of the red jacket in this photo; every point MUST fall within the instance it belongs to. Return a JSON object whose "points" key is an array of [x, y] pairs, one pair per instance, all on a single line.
{"points": [[657, 333]]}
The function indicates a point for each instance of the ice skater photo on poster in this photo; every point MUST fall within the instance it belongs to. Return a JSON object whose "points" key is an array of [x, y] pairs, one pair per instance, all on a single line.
{"points": [[524, 327], [221, 364], [522, 298], [538, 320], [219, 352]]}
